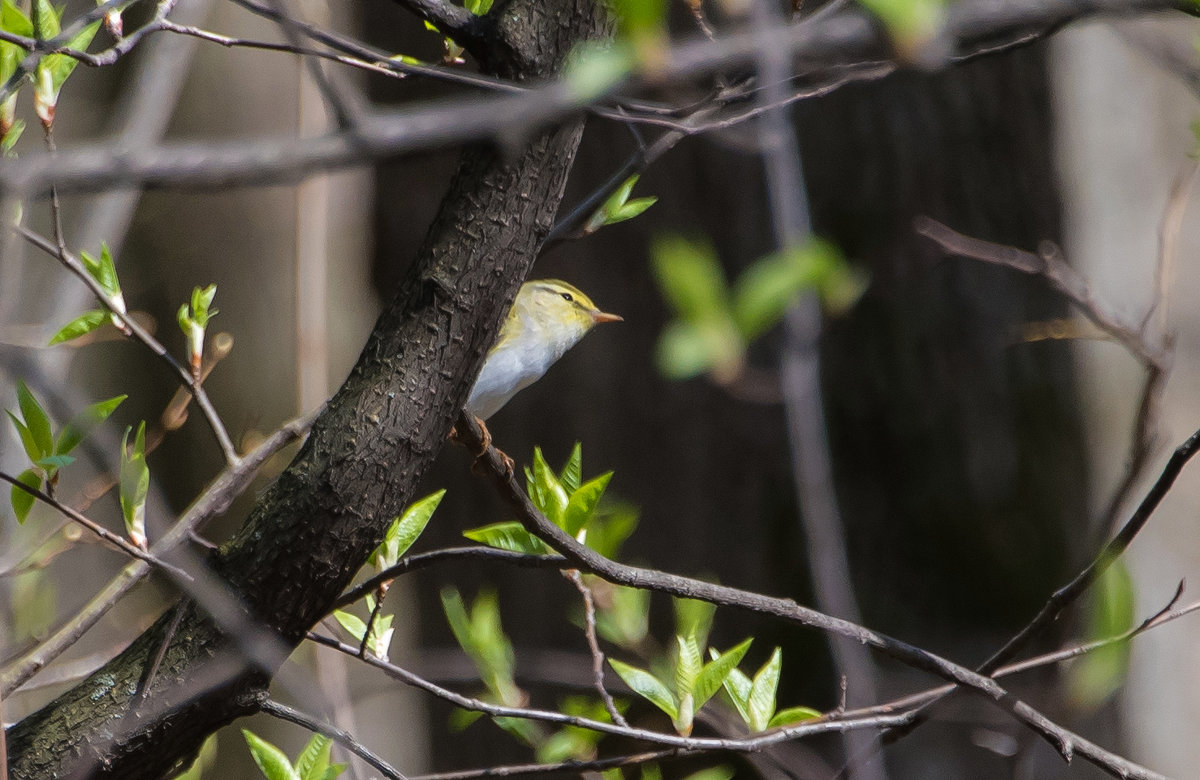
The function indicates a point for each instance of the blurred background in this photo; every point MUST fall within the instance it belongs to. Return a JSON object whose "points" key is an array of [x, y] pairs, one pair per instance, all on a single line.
{"points": [[972, 462]]}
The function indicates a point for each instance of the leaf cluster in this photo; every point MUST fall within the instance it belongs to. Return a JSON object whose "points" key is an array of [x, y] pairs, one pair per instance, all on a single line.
{"points": [[48, 453], [715, 322], [567, 502], [311, 764], [104, 271]]}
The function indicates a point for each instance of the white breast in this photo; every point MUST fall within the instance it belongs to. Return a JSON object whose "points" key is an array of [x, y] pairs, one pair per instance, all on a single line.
{"points": [[511, 368]]}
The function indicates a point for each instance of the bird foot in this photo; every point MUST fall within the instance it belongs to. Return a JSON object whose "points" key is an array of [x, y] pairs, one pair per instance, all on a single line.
{"points": [[485, 443]]}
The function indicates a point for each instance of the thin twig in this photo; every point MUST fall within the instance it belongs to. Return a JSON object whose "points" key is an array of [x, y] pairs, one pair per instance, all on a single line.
{"points": [[580, 768], [589, 630], [340, 736], [822, 725], [122, 544], [449, 554], [380, 595], [1049, 264], [345, 111], [152, 670]]}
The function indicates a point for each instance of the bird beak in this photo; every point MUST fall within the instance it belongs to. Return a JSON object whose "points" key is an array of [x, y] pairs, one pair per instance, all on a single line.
{"points": [[599, 316]]}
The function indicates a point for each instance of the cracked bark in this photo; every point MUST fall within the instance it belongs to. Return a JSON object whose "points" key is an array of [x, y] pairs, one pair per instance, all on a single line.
{"points": [[311, 531]]}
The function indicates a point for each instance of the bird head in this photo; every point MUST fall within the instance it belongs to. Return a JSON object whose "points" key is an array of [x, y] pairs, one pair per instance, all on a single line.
{"points": [[556, 306]]}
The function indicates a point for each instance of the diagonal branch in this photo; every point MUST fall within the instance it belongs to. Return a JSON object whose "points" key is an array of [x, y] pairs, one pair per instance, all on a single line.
{"points": [[1067, 743]]}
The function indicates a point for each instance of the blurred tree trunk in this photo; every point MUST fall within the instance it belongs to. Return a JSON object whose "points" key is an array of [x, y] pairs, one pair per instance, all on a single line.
{"points": [[960, 459]]}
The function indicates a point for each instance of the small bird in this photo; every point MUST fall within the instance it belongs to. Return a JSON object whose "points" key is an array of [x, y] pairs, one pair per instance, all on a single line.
{"points": [[547, 318]]}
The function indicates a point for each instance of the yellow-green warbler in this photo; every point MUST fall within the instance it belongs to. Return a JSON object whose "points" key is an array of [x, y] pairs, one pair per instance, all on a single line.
{"points": [[547, 318]]}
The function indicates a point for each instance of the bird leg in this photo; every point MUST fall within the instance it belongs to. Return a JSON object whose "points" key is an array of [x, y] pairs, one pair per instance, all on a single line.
{"points": [[485, 443]]}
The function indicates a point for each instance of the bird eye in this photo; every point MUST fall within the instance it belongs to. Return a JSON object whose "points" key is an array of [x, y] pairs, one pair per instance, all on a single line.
{"points": [[568, 297]]}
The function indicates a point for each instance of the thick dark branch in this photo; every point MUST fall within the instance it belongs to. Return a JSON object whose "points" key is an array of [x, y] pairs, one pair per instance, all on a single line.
{"points": [[340, 736]]}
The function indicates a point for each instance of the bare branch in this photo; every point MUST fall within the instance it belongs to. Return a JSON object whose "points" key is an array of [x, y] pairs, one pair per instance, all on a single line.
{"points": [[589, 630], [1050, 264], [824, 725], [340, 736], [120, 543], [564, 767], [455, 554]]}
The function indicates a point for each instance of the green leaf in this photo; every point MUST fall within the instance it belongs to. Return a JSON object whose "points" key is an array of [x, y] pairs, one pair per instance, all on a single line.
{"points": [[525, 731], [713, 676], [202, 299], [761, 704], [688, 349], [1096, 676], [313, 761], [617, 207], [45, 19], [549, 494], [22, 502], [647, 686], [27, 441], [62, 65], [353, 624], [572, 472], [36, 420], [688, 663], [792, 715], [83, 324], [593, 69], [690, 277], [456, 616], [693, 617], [765, 289], [738, 686], [272, 761], [135, 484], [626, 621], [52, 463], [583, 503], [509, 535], [911, 23], [609, 529], [641, 16], [631, 209], [12, 136], [14, 20], [103, 269], [405, 530], [83, 423], [461, 720], [482, 637]]}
